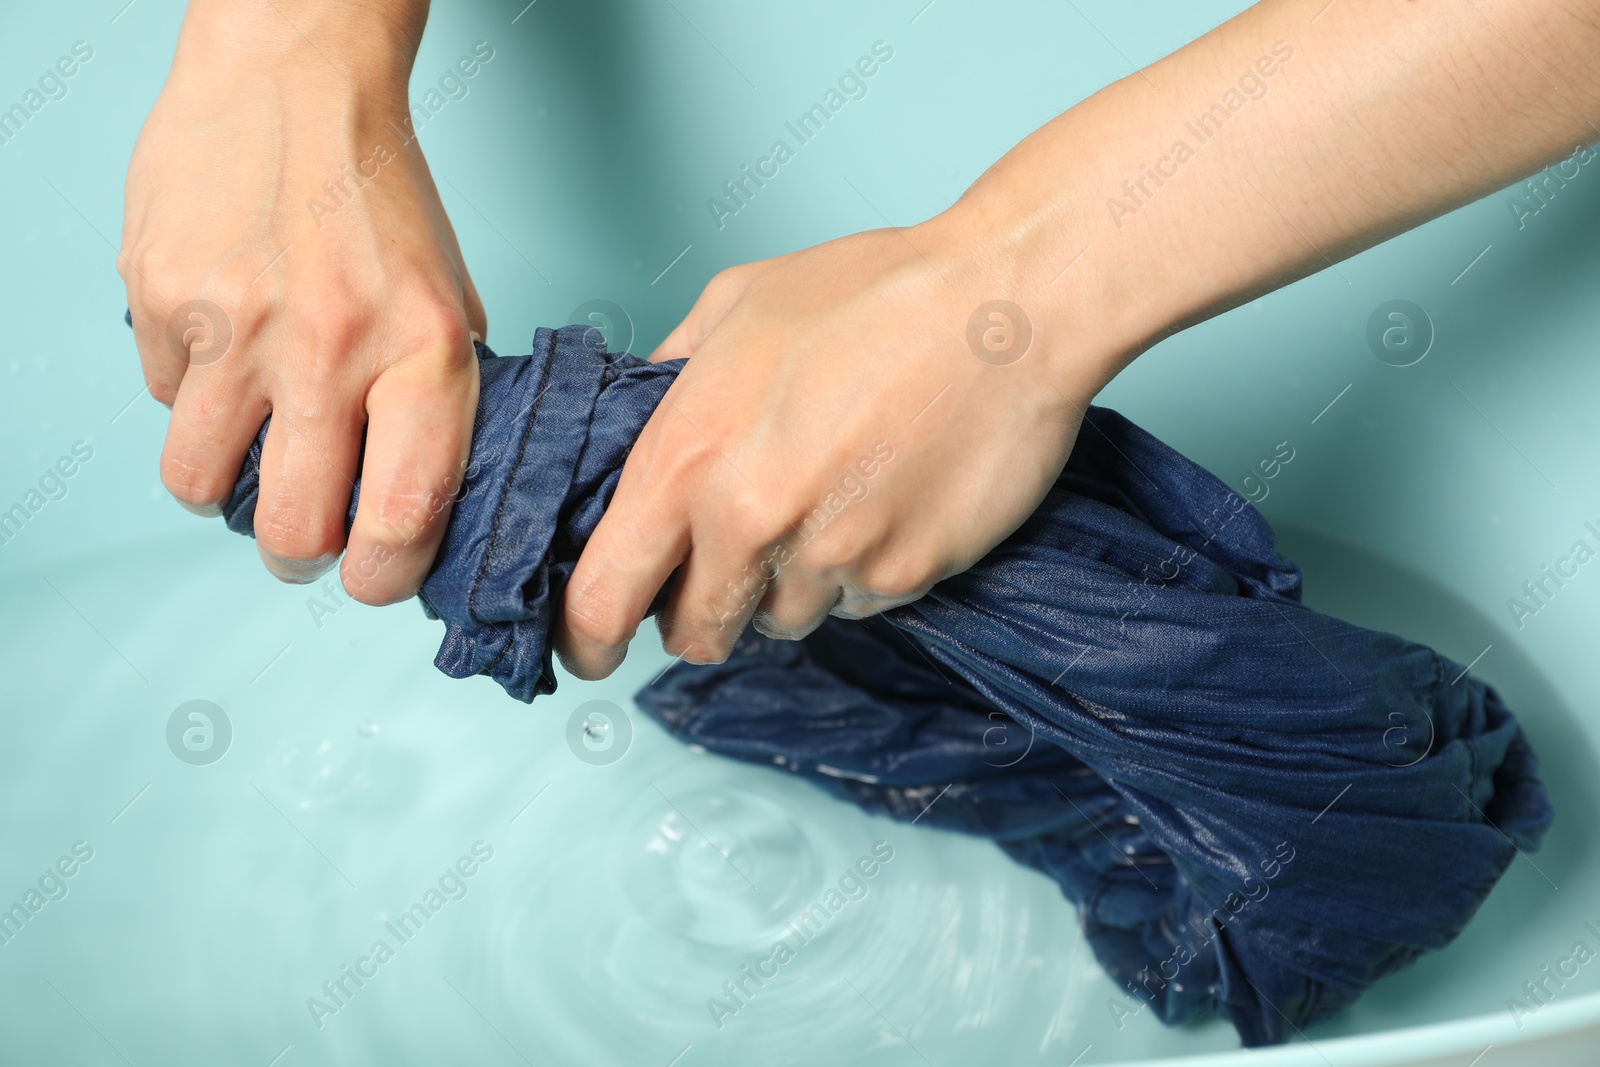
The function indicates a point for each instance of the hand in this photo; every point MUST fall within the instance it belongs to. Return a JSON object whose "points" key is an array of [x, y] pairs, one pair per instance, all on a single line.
{"points": [[833, 446], [269, 185]]}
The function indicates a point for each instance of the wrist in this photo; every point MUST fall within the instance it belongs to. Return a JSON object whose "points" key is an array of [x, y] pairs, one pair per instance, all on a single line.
{"points": [[361, 49], [1050, 253]]}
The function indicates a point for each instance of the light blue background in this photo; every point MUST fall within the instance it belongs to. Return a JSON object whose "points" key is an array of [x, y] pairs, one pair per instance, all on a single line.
{"points": [[578, 168]]}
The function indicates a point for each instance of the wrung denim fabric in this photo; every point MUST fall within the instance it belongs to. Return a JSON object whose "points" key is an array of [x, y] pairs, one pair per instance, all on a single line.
{"points": [[1126, 694]]}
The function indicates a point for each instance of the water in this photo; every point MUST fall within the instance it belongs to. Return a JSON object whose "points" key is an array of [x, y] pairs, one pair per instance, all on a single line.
{"points": [[607, 903]]}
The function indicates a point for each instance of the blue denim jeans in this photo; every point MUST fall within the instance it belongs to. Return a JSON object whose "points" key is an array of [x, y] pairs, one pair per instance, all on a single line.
{"points": [[1126, 694]]}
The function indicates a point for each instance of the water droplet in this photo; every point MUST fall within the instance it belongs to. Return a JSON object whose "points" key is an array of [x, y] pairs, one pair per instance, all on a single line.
{"points": [[318, 771]]}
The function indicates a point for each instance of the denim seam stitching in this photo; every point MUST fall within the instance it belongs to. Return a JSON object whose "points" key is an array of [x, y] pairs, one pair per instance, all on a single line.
{"points": [[500, 507]]}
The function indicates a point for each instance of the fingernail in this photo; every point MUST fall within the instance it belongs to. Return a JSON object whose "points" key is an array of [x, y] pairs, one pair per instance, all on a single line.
{"points": [[209, 511], [701, 656], [299, 571]]}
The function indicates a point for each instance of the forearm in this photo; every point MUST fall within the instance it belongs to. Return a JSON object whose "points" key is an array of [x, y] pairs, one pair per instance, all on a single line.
{"points": [[1203, 181]]}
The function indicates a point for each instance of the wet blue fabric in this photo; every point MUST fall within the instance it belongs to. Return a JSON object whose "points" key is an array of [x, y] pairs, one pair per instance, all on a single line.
{"points": [[1259, 810]]}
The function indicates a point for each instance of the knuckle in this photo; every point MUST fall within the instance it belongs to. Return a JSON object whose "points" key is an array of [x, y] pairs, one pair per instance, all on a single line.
{"points": [[191, 484], [360, 577], [678, 463], [721, 284], [783, 625], [330, 332], [164, 391], [739, 596], [759, 517], [694, 645], [595, 624], [830, 555], [403, 517], [321, 370], [346, 323], [247, 308], [703, 631], [228, 283], [728, 281], [298, 535], [168, 283], [159, 266], [434, 323], [897, 577], [251, 311]]}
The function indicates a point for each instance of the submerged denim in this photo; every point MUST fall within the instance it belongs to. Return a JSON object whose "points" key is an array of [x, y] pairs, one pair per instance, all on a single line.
{"points": [[1258, 810]]}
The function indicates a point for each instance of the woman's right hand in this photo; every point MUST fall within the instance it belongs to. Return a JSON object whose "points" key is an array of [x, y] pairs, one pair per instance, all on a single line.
{"points": [[286, 254]]}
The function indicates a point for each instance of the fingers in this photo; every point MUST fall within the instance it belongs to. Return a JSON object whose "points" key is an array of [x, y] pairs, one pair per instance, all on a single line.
{"points": [[308, 468], [632, 554], [795, 603], [716, 592], [183, 347], [611, 588], [419, 436], [163, 368], [214, 419], [858, 603]]}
